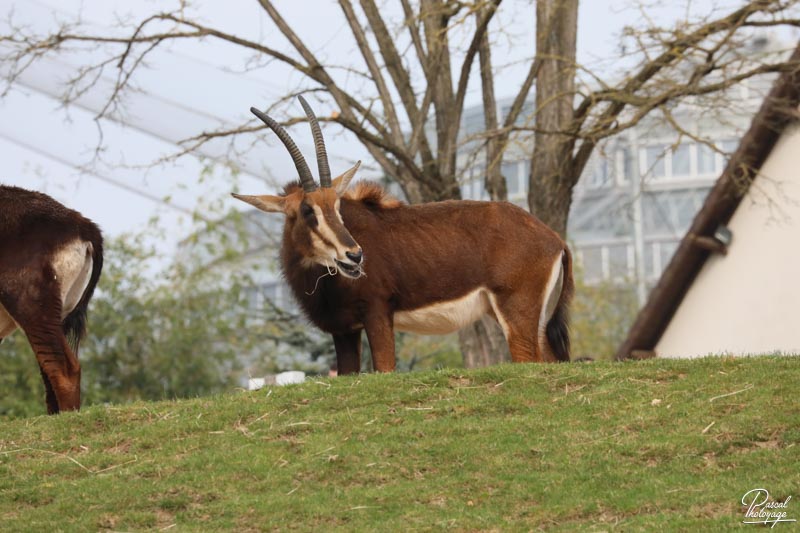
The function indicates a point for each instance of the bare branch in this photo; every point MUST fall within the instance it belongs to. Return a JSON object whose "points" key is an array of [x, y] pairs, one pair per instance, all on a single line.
{"points": [[413, 30], [400, 76], [495, 181], [674, 51], [372, 65], [486, 16]]}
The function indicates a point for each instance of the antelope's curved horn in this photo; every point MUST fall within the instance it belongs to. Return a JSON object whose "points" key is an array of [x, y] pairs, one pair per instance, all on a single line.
{"points": [[306, 179], [319, 145]]}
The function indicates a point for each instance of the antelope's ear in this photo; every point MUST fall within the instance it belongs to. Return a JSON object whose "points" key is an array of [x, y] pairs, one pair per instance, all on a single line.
{"points": [[270, 204], [340, 184]]}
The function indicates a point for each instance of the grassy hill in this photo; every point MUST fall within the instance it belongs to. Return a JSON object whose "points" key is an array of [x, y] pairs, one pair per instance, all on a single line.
{"points": [[634, 446]]}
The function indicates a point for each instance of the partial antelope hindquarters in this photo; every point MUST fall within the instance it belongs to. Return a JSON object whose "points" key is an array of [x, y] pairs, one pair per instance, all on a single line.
{"points": [[358, 260], [50, 261]]}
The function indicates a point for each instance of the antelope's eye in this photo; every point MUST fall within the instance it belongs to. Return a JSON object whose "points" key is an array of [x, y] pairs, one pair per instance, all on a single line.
{"points": [[306, 210]]}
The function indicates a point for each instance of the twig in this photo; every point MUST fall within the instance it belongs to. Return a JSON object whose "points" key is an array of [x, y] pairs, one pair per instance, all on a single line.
{"points": [[65, 456], [260, 418], [731, 393], [707, 428], [325, 450]]}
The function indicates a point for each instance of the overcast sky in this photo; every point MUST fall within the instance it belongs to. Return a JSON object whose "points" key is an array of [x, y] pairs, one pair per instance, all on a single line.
{"points": [[194, 86]]}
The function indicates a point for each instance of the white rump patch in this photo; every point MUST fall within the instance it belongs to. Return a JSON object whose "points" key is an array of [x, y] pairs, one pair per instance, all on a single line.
{"points": [[551, 296], [73, 265], [444, 317], [7, 324]]}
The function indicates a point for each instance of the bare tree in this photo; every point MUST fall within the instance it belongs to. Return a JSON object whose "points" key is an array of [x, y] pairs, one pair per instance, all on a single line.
{"points": [[408, 111]]}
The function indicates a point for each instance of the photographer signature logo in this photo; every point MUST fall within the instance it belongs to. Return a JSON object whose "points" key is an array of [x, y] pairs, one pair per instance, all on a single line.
{"points": [[762, 510]]}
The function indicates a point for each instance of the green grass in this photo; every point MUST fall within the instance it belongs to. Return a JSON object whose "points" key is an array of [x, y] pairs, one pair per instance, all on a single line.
{"points": [[655, 445]]}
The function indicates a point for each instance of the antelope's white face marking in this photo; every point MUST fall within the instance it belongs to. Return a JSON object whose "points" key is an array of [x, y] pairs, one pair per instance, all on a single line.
{"points": [[335, 248], [336, 207], [332, 243], [445, 317]]}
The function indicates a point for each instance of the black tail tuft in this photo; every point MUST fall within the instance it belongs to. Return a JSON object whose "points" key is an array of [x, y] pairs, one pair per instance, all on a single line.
{"points": [[74, 325], [558, 327]]}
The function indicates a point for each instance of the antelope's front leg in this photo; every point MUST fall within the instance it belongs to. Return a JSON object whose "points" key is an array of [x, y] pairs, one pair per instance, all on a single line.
{"points": [[348, 352], [380, 333]]}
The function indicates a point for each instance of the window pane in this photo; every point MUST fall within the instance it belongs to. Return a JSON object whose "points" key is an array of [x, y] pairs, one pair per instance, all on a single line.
{"points": [[599, 175], [684, 210], [649, 265], [728, 146], [510, 172], [592, 264], [525, 176], [630, 166], [680, 161], [655, 214], [618, 261], [706, 158], [624, 165], [654, 164], [477, 189]]}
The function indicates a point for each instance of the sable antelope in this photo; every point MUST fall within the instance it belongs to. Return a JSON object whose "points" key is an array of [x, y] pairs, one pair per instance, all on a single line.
{"points": [[50, 261], [430, 268]]}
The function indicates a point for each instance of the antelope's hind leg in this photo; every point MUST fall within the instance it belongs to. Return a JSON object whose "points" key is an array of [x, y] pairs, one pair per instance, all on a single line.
{"points": [[60, 369], [519, 320], [38, 312], [49, 394]]}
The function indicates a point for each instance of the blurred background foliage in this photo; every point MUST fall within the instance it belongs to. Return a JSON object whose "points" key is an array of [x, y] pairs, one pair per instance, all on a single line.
{"points": [[601, 315]]}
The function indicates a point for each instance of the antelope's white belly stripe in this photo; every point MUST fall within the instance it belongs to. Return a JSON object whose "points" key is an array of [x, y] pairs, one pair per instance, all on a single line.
{"points": [[444, 317], [498, 315]]}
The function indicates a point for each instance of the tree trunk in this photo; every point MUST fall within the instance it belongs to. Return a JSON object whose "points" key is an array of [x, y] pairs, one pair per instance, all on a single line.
{"points": [[495, 182], [483, 344], [551, 178]]}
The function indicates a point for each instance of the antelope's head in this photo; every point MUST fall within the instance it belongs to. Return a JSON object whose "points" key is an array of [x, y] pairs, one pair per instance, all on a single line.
{"points": [[312, 212]]}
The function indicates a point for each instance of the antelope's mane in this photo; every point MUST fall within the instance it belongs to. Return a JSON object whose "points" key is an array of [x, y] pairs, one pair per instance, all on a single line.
{"points": [[372, 194], [367, 192]]}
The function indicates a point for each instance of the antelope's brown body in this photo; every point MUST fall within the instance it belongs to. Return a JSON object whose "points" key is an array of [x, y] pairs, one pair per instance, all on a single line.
{"points": [[360, 261], [418, 256], [50, 261]]}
